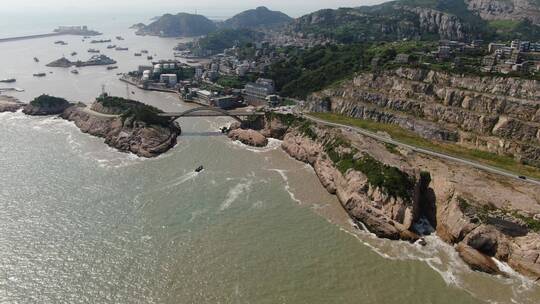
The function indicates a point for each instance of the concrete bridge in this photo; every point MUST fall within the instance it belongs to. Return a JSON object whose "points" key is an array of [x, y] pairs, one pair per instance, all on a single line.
{"points": [[211, 112]]}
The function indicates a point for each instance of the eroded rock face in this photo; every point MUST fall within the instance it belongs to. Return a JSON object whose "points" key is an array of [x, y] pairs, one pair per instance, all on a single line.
{"points": [[9, 104], [495, 114], [479, 235], [433, 21], [506, 9], [249, 137], [383, 215], [476, 260], [30, 109], [525, 256], [125, 134]]}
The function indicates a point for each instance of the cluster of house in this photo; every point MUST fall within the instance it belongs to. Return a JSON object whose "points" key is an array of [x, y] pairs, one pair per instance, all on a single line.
{"points": [[295, 39], [162, 75], [518, 57], [522, 57], [233, 63], [258, 93]]}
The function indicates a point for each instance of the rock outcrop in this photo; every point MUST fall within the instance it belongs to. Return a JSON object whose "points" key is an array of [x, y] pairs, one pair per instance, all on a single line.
{"points": [[447, 26], [126, 134], [481, 225], [126, 125], [10, 104], [46, 105], [517, 10], [61, 63], [249, 137], [494, 114]]}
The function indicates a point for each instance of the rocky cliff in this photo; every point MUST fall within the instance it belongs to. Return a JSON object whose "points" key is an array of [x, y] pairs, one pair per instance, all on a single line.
{"points": [[384, 190], [517, 10], [126, 125], [386, 22], [10, 104], [127, 134], [495, 114]]}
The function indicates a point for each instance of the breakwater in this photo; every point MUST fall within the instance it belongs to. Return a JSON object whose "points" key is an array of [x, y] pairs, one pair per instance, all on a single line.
{"points": [[29, 37]]}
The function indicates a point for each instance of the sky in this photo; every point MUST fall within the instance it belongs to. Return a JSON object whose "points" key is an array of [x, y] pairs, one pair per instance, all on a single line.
{"points": [[210, 8]]}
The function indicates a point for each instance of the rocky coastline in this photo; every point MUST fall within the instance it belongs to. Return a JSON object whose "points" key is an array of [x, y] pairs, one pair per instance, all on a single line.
{"points": [[493, 114], [10, 104], [384, 190], [126, 125]]}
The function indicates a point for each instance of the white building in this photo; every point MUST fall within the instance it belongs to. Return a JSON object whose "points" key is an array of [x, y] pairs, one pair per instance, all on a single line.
{"points": [[169, 79]]}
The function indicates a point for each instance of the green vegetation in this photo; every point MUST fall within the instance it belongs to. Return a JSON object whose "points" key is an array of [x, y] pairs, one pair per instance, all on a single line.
{"points": [[391, 148], [133, 110], [307, 71], [235, 82], [511, 29], [485, 212], [310, 70], [304, 126], [48, 101], [390, 180], [181, 24], [503, 25], [531, 223], [227, 38], [256, 18], [288, 102], [350, 25], [407, 137]]}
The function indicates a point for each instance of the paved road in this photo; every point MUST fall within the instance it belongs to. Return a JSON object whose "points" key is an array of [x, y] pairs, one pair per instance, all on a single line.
{"points": [[424, 151]]}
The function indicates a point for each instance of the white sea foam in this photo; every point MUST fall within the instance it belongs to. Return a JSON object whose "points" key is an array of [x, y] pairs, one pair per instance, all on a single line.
{"points": [[272, 145], [195, 214], [235, 192], [283, 175], [257, 205]]}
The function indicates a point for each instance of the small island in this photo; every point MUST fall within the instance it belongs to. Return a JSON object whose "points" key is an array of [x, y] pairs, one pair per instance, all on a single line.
{"points": [[126, 125], [94, 60]]}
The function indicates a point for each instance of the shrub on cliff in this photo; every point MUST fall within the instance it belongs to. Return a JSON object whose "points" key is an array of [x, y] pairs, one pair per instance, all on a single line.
{"points": [[135, 110], [46, 101], [390, 180]]}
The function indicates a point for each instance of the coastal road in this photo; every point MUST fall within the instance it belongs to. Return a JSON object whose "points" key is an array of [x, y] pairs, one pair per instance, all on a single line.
{"points": [[424, 151]]}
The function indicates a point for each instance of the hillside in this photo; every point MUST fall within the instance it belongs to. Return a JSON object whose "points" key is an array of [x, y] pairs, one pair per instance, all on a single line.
{"points": [[260, 17], [417, 19], [182, 24], [515, 10], [227, 38]]}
